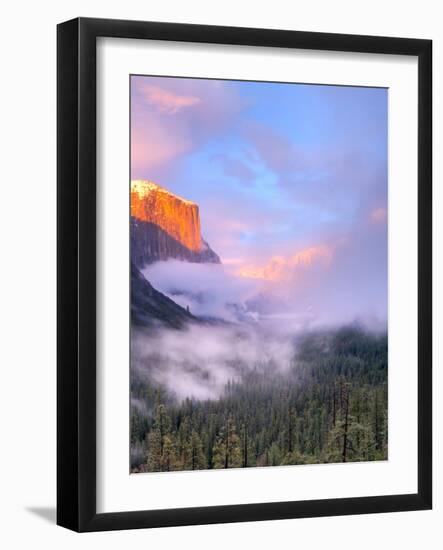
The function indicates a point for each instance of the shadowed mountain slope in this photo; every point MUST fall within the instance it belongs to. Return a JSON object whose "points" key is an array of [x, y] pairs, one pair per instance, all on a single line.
{"points": [[150, 243], [149, 307]]}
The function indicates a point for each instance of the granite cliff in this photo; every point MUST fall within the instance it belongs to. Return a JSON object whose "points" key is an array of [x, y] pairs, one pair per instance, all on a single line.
{"points": [[165, 226]]}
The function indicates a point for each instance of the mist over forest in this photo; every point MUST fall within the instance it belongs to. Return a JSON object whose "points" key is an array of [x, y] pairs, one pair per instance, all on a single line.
{"points": [[254, 377], [219, 397]]}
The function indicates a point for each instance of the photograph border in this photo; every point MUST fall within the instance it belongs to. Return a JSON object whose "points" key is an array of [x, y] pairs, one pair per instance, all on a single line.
{"points": [[76, 273]]}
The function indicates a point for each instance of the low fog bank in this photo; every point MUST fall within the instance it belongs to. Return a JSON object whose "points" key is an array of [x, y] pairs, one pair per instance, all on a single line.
{"points": [[209, 290], [252, 323], [309, 297], [198, 361]]}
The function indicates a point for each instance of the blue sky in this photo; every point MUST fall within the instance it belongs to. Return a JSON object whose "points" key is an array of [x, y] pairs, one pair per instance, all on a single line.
{"points": [[277, 169]]}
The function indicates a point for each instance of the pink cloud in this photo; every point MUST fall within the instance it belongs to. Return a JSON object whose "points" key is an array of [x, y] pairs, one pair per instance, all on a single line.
{"points": [[156, 147], [378, 215], [276, 151], [279, 268], [171, 117], [166, 101]]}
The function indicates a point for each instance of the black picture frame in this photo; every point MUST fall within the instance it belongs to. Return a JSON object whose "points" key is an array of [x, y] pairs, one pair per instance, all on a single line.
{"points": [[76, 279]]}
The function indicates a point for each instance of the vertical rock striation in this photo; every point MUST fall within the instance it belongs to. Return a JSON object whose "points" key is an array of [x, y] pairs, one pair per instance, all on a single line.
{"points": [[164, 226]]}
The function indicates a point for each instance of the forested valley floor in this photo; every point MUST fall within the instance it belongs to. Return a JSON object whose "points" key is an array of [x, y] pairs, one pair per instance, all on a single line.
{"points": [[331, 406]]}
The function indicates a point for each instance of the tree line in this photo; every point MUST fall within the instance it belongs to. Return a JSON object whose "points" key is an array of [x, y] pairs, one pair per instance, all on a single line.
{"points": [[330, 407]]}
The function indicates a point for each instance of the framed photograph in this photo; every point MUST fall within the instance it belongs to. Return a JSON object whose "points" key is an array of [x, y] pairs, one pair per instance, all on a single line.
{"points": [[244, 274]]}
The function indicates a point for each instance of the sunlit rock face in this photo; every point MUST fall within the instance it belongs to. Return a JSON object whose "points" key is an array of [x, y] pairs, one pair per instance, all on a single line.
{"points": [[164, 226], [178, 217]]}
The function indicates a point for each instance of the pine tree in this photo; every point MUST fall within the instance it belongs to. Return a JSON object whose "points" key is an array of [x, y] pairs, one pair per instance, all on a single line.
{"points": [[169, 457], [154, 452], [160, 448], [345, 389], [245, 446], [226, 452], [290, 431], [275, 455], [194, 458]]}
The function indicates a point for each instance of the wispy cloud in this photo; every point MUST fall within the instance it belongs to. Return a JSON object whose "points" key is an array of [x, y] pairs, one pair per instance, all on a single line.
{"points": [[279, 268], [171, 118], [236, 168], [379, 215], [166, 101], [157, 148]]}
